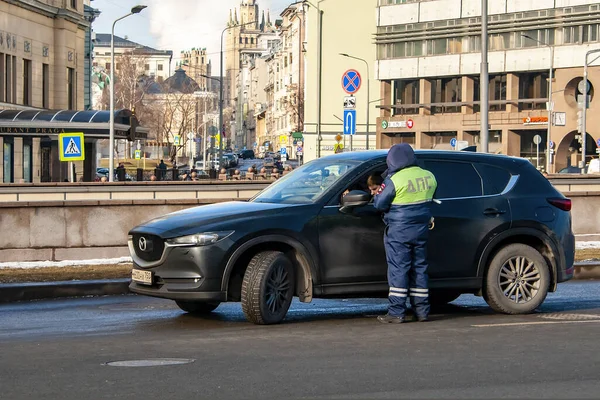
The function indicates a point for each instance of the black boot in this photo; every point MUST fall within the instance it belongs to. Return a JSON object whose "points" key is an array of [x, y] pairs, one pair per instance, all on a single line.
{"points": [[390, 319]]}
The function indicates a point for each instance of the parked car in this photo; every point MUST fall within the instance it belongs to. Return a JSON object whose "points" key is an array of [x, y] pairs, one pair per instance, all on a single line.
{"points": [[269, 162], [502, 231], [247, 154]]}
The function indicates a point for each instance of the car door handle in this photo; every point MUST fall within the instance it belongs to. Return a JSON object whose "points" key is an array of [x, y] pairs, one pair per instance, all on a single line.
{"points": [[493, 212]]}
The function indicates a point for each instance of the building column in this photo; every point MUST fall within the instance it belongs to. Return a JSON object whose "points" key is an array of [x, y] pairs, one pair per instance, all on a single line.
{"points": [[424, 96], [18, 159], [511, 143], [460, 135], [36, 160], [512, 92], [468, 93], [386, 98], [1, 159], [423, 140]]}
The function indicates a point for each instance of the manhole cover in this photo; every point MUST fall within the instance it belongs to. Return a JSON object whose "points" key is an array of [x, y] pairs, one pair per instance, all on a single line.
{"points": [[152, 362], [570, 317]]}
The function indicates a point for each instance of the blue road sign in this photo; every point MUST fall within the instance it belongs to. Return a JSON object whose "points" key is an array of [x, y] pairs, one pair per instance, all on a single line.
{"points": [[71, 147], [349, 122], [598, 142], [283, 151], [453, 142], [351, 81]]}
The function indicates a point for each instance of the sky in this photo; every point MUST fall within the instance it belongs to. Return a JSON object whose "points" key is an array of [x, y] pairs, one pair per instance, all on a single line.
{"points": [[175, 24]]}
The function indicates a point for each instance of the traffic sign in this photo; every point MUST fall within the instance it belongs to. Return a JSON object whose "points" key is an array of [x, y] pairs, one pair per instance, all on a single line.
{"points": [[349, 102], [453, 142], [349, 122], [537, 139], [176, 140], [598, 142], [551, 144], [299, 150], [283, 139], [410, 123], [138, 154], [71, 147], [351, 81], [283, 151]]}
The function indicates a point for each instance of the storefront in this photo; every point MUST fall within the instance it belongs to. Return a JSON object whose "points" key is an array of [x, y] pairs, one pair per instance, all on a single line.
{"points": [[29, 142]]}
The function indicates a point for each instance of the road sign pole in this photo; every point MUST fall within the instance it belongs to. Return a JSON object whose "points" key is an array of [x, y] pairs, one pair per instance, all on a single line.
{"points": [[71, 171], [538, 156]]}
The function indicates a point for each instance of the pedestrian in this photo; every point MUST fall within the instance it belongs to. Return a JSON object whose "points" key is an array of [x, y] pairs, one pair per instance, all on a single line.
{"points": [[163, 170], [405, 197]]}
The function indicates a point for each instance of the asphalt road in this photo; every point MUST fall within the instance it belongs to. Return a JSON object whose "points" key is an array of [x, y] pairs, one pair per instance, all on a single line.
{"points": [[329, 349]]}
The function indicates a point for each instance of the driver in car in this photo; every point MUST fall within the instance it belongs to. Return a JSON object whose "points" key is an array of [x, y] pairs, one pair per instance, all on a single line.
{"points": [[405, 198]]}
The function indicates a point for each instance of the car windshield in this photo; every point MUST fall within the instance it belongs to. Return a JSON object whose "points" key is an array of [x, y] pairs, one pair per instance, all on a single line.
{"points": [[306, 184]]}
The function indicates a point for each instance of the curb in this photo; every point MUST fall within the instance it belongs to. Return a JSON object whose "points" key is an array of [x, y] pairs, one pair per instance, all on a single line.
{"points": [[12, 292]]}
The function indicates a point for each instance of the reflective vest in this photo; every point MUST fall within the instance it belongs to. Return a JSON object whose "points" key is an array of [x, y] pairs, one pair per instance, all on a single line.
{"points": [[413, 185]]}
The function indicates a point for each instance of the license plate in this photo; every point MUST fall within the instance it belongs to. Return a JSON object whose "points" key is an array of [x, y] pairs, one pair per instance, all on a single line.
{"points": [[143, 277]]}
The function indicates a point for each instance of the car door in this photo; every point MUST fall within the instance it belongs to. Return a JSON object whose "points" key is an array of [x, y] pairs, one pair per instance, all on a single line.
{"points": [[467, 218], [351, 244]]}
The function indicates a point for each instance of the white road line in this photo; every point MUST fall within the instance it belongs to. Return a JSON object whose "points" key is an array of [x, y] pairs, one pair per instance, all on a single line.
{"points": [[534, 323]]}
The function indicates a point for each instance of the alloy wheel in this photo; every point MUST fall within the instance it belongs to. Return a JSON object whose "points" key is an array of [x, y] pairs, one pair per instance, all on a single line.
{"points": [[519, 279], [278, 286]]}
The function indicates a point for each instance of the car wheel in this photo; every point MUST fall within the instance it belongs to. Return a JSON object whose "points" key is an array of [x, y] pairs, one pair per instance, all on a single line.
{"points": [[517, 280], [442, 297], [267, 288], [198, 308]]}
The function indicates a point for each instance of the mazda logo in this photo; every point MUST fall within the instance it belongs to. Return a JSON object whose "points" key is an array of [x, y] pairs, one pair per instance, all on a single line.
{"points": [[143, 244]]}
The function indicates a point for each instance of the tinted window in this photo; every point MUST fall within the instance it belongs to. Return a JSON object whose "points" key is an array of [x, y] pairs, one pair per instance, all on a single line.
{"points": [[495, 179], [455, 179]]}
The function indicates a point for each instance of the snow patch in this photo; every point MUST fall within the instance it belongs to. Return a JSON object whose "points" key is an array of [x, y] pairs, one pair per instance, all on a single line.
{"points": [[65, 263], [587, 245]]}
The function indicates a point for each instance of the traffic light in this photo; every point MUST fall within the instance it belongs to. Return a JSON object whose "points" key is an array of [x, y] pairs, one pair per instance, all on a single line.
{"points": [[580, 121], [133, 124]]}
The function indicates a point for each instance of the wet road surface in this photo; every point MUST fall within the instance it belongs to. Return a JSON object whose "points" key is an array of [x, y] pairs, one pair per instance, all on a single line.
{"points": [[329, 349]]}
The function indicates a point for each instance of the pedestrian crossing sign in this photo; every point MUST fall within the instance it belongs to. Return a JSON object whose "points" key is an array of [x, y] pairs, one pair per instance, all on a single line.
{"points": [[71, 147], [138, 154]]}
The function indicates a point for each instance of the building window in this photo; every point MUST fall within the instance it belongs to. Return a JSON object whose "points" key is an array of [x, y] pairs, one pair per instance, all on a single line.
{"points": [[497, 92], [147, 67], [10, 79], [117, 66], [45, 86], [590, 33], [71, 89], [8, 160], [27, 165], [241, 40], [245, 40], [107, 66], [27, 82], [74, 4], [406, 92], [533, 86], [571, 34], [160, 67], [446, 90], [251, 40]]}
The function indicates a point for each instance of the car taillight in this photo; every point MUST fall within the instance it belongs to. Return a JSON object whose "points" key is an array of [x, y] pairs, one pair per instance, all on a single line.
{"points": [[563, 204]]}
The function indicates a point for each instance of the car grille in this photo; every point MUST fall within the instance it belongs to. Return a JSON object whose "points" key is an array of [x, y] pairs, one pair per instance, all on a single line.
{"points": [[154, 246]]}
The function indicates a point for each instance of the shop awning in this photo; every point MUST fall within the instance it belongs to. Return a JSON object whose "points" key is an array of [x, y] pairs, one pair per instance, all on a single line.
{"points": [[92, 123]]}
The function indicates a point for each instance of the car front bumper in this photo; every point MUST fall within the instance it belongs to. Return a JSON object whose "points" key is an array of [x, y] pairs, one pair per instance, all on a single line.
{"points": [[184, 273]]}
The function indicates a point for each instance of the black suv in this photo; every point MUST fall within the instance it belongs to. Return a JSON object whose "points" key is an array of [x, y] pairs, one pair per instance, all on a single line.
{"points": [[501, 231]]}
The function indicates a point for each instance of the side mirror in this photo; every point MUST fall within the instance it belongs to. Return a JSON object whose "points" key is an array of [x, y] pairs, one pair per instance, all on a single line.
{"points": [[355, 198]]}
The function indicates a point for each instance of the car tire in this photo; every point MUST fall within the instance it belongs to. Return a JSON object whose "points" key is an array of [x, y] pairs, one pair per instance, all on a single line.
{"points": [[268, 288], [197, 308], [517, 280], [442, 297]]}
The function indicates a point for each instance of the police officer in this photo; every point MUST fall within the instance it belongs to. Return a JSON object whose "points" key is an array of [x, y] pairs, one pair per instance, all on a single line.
{"points": [[405, 196]]}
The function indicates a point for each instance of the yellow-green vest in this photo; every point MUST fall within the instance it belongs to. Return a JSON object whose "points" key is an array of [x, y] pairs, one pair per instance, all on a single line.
{"points": [[413, 185]]}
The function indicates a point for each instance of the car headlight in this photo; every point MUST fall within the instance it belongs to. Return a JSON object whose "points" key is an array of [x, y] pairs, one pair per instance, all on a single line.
{"points": [[199, 239]]}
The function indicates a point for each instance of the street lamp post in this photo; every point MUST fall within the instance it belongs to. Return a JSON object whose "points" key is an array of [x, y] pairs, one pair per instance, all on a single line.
{"points": [[484, 79], [368, 94], [550, 105], [111, 160], [585, 103], [221, 89]]}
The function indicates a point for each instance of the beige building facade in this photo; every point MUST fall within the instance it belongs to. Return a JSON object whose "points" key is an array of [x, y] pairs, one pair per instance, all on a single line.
{"points": [[41, 67], [195, 63], [347, 27], [428, 64]]}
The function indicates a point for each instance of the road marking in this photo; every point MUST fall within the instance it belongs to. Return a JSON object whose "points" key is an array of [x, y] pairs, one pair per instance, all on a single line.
{"points": [[534, 323]]}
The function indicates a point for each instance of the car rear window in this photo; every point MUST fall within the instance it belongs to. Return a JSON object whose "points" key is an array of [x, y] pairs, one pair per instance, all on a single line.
{"points": [[454, 179], [495, 178]]}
